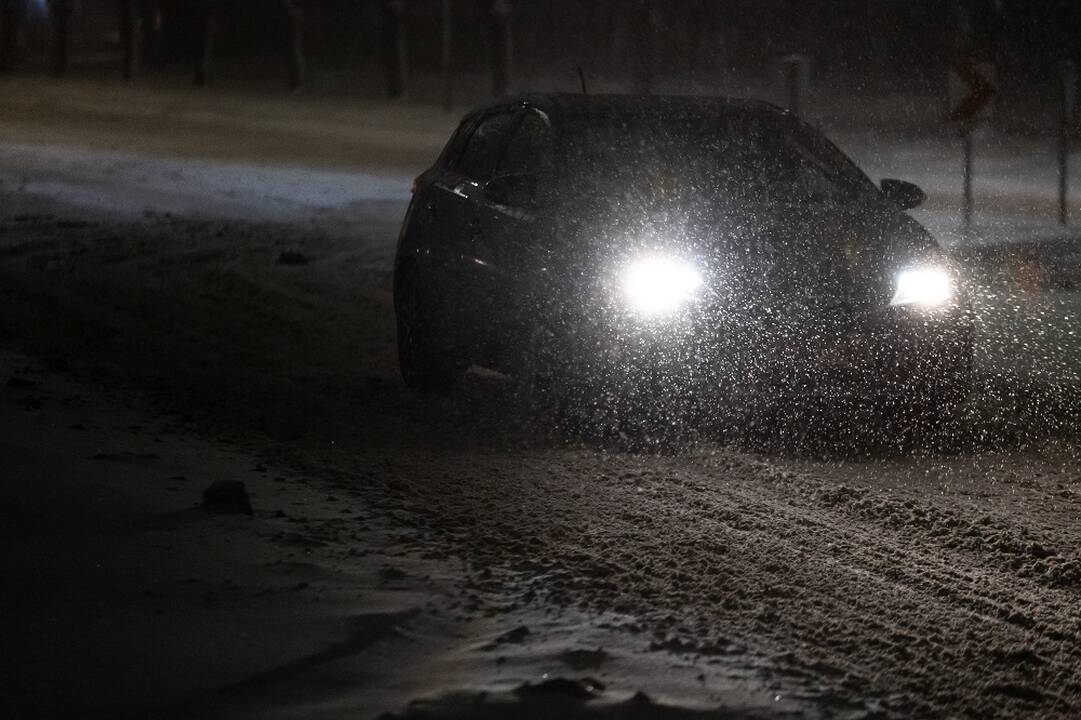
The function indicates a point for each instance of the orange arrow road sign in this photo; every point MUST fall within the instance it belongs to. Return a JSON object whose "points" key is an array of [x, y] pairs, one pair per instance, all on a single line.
{"points": [[981, 90]]}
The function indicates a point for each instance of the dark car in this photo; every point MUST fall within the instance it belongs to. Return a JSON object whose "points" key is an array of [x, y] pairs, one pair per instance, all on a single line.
{"points": [[622, 255]]}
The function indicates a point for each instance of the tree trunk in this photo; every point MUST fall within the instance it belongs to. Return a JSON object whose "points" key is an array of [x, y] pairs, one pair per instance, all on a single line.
{"points": [[129, 22], [391, 46], [702, 49], [610, 23], [499, 45], [10, 14], [172, 42], [642, 32], [447, 15], [294, 9], [205, 50], [150, 25], [59, 15]]}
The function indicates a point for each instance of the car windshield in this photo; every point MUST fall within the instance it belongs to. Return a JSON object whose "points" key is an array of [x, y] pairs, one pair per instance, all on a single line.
{"points": [[740, 156]]}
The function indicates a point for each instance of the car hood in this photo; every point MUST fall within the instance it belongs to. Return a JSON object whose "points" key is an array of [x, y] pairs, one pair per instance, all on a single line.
{"points": [[807, 254]]}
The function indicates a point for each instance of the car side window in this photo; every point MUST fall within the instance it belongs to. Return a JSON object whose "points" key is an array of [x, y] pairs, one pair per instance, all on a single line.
{"points": [[526, 149], [453, 148], [481, 150]]}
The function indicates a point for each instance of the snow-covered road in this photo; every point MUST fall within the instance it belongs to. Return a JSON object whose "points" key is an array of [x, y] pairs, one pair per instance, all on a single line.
{"points": [[934, 584], [131, 184]]}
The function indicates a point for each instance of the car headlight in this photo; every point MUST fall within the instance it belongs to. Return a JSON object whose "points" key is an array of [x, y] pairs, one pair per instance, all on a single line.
{"points": [[922, 286], [659, 285]]}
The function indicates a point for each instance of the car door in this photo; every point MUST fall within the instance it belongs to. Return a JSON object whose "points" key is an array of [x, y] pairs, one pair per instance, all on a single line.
{"points": [[431, 211], [463, 186], [425, 244], [501, 240]]}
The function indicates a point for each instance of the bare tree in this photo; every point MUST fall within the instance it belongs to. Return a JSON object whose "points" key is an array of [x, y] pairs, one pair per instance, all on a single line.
{"points": [[60, 16], [140, 24], [10, 16], [150, 24], [207, 21], [703, 49], [294, 10], [447, 16], [642, 39], [392, 46], [606, 15], [498, 14], [129, 21]]}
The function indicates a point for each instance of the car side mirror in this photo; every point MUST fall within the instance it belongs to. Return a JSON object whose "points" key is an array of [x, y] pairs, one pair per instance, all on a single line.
{"points": [[904, 195], [518, 190]]}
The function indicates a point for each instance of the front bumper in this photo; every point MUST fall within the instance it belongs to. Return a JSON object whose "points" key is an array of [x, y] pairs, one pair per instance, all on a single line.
{"points": [[881, 352]]}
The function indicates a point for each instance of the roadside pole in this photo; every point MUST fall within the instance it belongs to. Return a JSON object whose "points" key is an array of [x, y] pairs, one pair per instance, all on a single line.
{"points": [[971, 87], [966, 210], [448, 78], [1066, 110]]}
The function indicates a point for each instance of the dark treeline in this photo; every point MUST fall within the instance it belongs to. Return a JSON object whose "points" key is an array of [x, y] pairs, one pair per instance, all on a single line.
{"points": [[905, 44]]}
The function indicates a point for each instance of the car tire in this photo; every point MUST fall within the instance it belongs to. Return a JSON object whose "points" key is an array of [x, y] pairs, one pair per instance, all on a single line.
{"points": [[424, 364], [544, 381]]}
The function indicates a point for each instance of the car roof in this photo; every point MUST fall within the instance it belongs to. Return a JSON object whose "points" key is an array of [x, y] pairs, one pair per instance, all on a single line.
{"points": [[561, 107]]}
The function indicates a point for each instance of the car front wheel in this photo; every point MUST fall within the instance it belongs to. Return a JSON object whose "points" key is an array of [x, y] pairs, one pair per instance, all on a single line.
{"points": [[425, 365]]}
